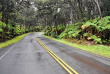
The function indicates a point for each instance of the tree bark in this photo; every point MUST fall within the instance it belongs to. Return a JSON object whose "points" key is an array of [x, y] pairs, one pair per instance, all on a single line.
{"points": [[97, 3]]}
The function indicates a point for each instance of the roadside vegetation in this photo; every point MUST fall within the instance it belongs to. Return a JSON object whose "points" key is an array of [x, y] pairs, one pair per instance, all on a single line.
{"points": [[17, 17], [98, 49], [94, 31], [73, 23], [14, 40], [84, 22]]}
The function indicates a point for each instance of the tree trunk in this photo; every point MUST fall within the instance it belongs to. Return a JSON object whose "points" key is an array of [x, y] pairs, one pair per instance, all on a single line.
{"points": [[13, 29], [2, 32], [80, 8], [56, 32], [24, 27], [97, 3]]}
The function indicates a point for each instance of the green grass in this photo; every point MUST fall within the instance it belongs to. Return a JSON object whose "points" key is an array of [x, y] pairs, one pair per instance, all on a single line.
{"points": [[14, 40], [96, 49]]}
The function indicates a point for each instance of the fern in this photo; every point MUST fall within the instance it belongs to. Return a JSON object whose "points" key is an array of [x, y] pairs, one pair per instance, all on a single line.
{"points": [[76, 33], [63, 35], [85, 34], [1, 30], [105, 21], [96, 39]]}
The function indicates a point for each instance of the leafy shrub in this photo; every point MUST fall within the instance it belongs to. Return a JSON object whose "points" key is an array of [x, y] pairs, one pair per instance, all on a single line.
{"points": [[47, 31], [2, 33], [53, 34], [95, 30], [85, 34], [99, 28], [39, 28], [63, 35], [60, 27], [76, 34], [72, 30], [96, 39]]}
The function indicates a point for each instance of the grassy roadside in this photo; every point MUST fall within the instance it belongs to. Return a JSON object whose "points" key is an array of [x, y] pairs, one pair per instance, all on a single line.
{"points": [[14, 40], [96, 49]]}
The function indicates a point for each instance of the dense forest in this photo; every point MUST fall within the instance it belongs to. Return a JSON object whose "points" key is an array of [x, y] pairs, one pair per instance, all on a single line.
{"points": [[16, 18], [68, 19]]}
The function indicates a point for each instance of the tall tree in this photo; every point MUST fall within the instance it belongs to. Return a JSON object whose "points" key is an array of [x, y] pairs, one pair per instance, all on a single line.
{"points": [[97, 3]]}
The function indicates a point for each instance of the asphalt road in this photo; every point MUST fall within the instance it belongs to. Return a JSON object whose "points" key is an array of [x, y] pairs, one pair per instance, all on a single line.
{"points": [[29, 57]]}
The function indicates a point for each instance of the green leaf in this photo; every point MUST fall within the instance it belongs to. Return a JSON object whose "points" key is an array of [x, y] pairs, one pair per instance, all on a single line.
{"points": [[1, 30]]}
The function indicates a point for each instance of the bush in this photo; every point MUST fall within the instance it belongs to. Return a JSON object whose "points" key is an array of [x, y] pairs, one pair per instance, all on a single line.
{"points": [[51, 31], [94, 30], [71, 31], [100, 29], [96, 39], [47, 31]]}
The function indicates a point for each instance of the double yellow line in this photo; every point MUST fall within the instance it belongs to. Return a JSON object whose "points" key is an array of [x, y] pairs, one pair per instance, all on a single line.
{"points": [[60, 61]]}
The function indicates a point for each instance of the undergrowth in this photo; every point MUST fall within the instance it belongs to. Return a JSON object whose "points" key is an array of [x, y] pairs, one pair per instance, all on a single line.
{"points": [[92, 30], [14, 40], [96, 49]]}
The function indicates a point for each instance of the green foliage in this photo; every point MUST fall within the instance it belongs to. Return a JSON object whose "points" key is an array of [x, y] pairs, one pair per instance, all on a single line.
{"points": [[2, 24], [72, 30], [51, 31], [88, 24], [12, 41], [100, 29], [95, 30], [8, 31], [106, 20], [96, 49], [0, 15], [60, 27], [39, 28], [85, 34], [2, 31], [17, 30], [53, 34], [47, 31], [76, 34], [63, 35], [96, 39]]}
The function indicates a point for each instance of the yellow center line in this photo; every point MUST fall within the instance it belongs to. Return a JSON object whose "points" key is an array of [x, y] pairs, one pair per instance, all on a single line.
{"points": [[60, 61]]}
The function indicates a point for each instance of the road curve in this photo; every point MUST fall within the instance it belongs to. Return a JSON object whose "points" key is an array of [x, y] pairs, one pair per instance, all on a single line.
{"points": [[83, 62], [29, 57]]}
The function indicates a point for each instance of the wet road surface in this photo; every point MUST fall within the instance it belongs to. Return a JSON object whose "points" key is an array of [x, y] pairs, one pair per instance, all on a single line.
{"points": [[29, 57]]}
